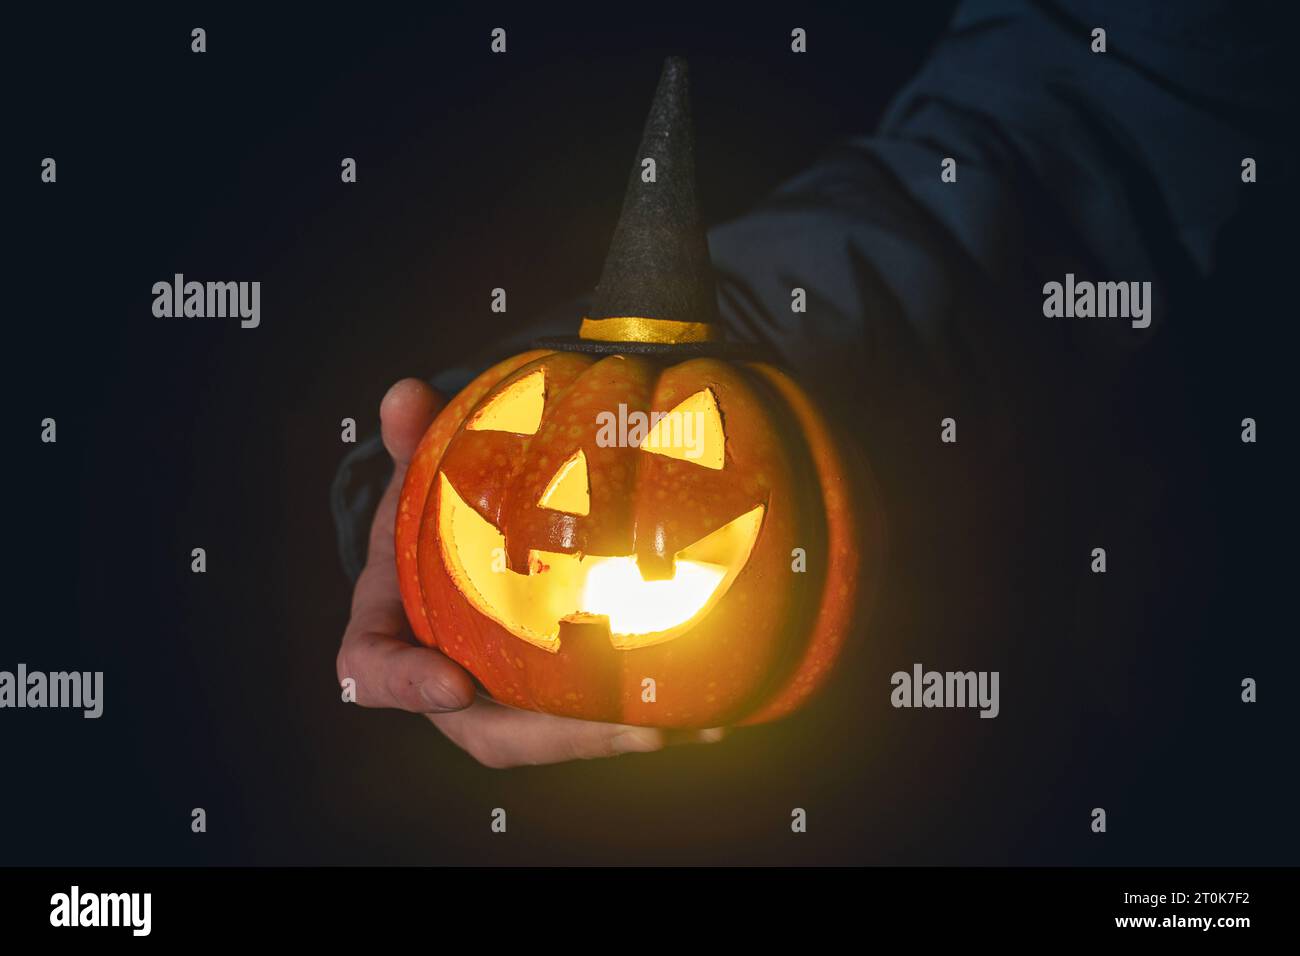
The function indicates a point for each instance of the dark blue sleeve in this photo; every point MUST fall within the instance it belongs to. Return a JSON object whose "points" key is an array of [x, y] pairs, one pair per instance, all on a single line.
{"points": [[1123, 165]]}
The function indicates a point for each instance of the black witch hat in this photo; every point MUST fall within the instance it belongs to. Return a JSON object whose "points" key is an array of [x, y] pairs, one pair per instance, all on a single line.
{"points": [[656, 293]]}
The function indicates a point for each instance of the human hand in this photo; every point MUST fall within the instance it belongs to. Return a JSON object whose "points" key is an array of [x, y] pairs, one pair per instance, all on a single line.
{"points": [[392, 670]]}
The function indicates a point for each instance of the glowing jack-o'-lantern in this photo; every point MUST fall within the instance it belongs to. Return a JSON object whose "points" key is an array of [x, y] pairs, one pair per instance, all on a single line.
{"points": [[640, 524], [573, 585]]}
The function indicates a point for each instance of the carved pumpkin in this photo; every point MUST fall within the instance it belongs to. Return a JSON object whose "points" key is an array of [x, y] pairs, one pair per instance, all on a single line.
{"points": [[637, 525]]}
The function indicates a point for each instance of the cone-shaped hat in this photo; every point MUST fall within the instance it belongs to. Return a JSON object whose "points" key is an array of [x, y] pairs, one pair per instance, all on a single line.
{"points": [[658, 269]]}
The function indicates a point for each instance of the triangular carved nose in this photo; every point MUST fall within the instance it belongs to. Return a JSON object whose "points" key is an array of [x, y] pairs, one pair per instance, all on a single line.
{"points": [[570, 488]]}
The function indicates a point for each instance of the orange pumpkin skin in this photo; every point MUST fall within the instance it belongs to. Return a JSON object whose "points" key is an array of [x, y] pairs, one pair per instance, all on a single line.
{"points": [[773, 636]]}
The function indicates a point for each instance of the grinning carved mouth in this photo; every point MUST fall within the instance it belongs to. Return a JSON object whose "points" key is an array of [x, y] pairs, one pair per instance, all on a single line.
{"points": [[588, 588]]}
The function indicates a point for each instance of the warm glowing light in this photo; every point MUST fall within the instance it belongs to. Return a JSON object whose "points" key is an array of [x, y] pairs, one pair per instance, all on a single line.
{"points": [[569, 491], [558, 587], [692, 432], [516, 408], [636, 607]]}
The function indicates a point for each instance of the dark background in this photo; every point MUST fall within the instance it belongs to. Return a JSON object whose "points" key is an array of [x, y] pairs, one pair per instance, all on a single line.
{"points": [[476, 171]]}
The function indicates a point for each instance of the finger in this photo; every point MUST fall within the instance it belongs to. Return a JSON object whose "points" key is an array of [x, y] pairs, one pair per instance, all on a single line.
{"points": [[388, 670], [498, 736], [376, 652], [405, 414]]}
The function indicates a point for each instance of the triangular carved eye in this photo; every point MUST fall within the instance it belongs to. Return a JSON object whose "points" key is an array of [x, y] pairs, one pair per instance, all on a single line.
{"points": [[570, 490], [692, 432], [516, 408]]}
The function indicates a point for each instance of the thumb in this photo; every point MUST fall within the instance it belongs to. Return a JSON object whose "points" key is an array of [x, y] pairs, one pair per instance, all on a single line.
{"points": [[405, 415]]}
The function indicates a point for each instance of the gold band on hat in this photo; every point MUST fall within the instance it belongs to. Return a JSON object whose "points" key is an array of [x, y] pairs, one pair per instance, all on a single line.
{"points": [[628, 328]]}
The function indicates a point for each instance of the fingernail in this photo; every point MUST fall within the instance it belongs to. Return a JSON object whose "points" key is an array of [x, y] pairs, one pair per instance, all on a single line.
{"points": [[637, 740], [441, 697]]}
